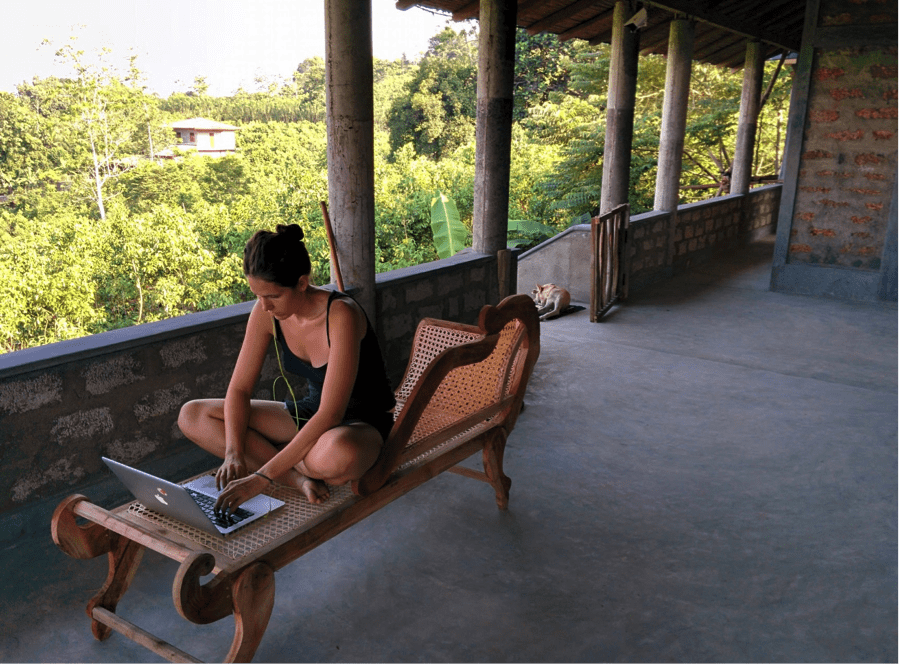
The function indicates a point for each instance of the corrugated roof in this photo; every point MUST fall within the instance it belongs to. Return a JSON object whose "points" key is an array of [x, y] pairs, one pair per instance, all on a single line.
{"points": [[722, 26]]}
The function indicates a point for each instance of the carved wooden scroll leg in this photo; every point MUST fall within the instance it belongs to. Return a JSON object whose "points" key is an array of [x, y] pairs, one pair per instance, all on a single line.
{"points": [[201, 604], [124, 558], [493, 467], [82, 542], [253, 594]]}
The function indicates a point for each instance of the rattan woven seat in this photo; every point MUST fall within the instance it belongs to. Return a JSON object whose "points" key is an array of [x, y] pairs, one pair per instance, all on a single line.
{"points": [[461, 393]]}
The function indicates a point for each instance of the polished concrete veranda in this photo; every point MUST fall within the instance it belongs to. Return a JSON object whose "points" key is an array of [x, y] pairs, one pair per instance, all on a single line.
{"points": [[708, 475]]}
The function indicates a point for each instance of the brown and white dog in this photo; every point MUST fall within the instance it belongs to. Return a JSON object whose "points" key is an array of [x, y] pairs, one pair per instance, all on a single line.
{"points": [[551, 300]]}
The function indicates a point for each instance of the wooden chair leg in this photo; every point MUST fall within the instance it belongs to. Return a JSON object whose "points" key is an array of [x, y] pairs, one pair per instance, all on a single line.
{"points": [[253, 594], [124, 557], [493, 467]]}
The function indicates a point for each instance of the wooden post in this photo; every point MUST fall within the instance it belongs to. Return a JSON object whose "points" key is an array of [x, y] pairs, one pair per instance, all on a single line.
{"points": [[620, 111], [496, 70], [350, 113], [749, 115], [674, 114]]}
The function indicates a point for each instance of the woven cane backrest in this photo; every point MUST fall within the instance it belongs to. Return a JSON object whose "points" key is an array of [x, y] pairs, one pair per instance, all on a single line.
{"points": [[468, 389], [461, 382], [431, 339]]}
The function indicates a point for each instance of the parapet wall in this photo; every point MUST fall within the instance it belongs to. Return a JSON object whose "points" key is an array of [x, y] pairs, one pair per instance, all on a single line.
{"points": [[118, 394], [655, 250]]}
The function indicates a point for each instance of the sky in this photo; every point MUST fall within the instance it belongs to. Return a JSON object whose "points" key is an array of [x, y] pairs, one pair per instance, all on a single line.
{"points": [[230, 42]]}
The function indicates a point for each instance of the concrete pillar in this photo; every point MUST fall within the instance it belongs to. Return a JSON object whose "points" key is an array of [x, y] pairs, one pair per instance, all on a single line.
{"points": [[350, 116], [749, 112], [496, 71], [674, 114], [616, 166]]}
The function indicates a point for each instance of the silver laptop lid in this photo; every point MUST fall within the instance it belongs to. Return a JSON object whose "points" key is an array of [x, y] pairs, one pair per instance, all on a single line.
{"points": [[173, 500]]}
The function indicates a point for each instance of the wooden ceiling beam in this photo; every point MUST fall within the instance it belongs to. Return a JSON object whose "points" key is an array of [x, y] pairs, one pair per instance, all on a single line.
{"points": [[471, 10], [655, 39], [599, 24], [710, 46], [744, 27], [735, 49], [548, 22]]}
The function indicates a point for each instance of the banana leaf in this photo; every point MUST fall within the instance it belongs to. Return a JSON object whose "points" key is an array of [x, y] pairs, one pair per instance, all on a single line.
{"points": [[450, 234], [531, 228]]}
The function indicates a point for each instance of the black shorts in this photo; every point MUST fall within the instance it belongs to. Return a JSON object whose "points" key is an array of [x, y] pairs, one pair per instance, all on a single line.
{"points": [[304, 409]]}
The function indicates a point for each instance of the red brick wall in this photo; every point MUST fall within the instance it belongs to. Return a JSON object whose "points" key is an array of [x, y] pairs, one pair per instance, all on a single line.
{"points": [[848, 167], [848, 164]]}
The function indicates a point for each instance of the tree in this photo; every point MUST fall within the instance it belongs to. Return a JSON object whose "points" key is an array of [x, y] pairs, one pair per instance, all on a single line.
{"points": [[106, 113], [542, 68], [437, 115]]}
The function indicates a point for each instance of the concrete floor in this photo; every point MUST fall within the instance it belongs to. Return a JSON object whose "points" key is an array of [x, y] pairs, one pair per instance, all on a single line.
{"points": [[709, 475]]}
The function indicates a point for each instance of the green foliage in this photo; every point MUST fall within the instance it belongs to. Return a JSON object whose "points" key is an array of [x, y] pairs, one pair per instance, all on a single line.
{"points": [[525, 233], [437, 115], [96, 233], [450, 234]]}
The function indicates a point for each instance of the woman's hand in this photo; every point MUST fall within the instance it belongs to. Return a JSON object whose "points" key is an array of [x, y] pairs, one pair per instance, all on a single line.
{"points": [[238, 492], [232, 469]]}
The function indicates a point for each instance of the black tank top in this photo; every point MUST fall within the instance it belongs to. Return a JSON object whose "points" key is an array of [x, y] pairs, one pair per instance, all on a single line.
{"points": [[371, 392]]}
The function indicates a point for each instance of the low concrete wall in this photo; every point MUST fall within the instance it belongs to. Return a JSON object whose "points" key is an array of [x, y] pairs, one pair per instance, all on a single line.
{"points": [[64, 405], [656, 250]]}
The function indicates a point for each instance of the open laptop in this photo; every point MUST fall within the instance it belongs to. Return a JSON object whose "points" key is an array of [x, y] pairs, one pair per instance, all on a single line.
{"points": [[191, 503]]}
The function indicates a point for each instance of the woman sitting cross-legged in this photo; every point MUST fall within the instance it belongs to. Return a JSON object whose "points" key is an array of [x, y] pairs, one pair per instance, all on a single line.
{"points": [[334, 434]]}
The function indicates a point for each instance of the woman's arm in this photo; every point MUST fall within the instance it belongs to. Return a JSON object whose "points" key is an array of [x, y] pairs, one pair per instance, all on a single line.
{"points": [[237, 399]]}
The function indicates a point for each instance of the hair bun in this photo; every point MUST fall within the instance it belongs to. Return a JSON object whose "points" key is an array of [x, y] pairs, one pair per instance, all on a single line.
{"points": [[291, 232]]}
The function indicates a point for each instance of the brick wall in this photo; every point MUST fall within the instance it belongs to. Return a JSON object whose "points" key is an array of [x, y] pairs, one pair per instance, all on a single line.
{"points": [[840, 216], [64, 405], [838, 219]]}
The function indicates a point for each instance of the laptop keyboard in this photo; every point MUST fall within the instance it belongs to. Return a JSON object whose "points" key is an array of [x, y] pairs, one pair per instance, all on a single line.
{"points": [[207, 504]]}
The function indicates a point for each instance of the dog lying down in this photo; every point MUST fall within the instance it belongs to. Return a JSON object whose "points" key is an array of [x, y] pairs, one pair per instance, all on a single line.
{"points": [[551, 300]]}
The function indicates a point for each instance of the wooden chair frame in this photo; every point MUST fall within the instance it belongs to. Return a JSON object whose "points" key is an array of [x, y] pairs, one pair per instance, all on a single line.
{"points": [[461, 393]]}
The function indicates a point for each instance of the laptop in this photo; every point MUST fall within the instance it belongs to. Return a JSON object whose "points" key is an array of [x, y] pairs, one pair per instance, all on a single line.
{"points": [[191, 503]]}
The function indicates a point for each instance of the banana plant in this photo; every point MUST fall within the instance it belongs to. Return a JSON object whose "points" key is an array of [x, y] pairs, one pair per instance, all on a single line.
{"points": [[450, 234], [527, 233]]}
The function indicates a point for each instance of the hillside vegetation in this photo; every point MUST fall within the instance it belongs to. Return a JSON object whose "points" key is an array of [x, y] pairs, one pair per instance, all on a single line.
{"points": [[96, 233]]}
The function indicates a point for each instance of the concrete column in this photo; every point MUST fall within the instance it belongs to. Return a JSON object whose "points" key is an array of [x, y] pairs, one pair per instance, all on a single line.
{"points": [[674, 114], [350, 116], [616, 166], [496, 70], [749, 112]]}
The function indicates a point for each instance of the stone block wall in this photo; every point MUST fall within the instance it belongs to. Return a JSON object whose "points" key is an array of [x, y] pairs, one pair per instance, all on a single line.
{"points": [[723, 223], [648, 255], [118, 394], [452, 289], [655, 252]]}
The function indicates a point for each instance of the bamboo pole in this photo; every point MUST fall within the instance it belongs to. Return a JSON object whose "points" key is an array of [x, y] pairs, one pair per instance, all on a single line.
{"points": [[332, 246]]}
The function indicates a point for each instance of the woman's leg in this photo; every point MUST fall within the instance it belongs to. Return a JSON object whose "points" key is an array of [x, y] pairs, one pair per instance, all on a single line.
{"points": [[203, 422], [343, 454]]}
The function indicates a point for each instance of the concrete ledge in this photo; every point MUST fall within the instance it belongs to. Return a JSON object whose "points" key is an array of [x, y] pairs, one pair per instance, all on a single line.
{"points": [[62, 352], [827, 281]]}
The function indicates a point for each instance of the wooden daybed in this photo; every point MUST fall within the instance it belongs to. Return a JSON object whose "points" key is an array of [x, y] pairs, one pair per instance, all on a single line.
{"points": [[461, 393]]}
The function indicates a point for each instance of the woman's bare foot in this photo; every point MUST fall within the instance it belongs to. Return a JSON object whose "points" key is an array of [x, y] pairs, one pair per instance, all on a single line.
{"points": [[316, 491]]}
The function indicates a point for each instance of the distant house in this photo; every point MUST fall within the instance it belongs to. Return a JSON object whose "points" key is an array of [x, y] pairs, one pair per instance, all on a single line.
{"points": [[207, 137]]}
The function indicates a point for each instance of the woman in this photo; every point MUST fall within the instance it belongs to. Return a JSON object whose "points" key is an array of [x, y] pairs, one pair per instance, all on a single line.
{"points": [[333, 435]]}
